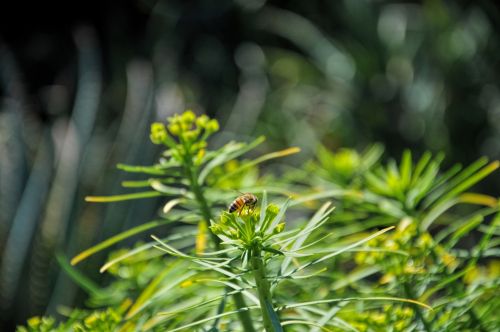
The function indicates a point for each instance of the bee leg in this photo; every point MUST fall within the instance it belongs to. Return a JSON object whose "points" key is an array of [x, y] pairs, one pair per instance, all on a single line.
{"points": [[243, 207]]}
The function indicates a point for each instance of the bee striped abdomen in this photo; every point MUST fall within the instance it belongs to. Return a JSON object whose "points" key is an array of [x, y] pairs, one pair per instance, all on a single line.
{"points": [[240, 202], [236, 204]]}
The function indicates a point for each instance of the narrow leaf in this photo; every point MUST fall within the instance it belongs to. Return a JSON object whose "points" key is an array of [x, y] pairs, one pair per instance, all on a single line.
{"points": [[478, 199], [405, 169], [229, 152], [208, 319], [117, 238], [349, 299], [79, 278], [124, 197], [268, 156], [150, 289], [318, 216], [338, 252], [159, 186], [154, 170], [467, 178], [263, 207]]}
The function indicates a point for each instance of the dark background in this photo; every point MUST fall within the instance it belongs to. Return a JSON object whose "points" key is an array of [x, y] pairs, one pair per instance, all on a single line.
{"points": [[81, 81]]}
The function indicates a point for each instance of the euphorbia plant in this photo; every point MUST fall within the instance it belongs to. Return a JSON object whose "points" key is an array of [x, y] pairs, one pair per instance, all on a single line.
{"points": [[184, 176], [277, 272], [256, 261]]}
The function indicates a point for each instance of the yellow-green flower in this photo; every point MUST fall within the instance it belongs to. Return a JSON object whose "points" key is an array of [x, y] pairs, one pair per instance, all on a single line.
{"points": [[188, 117], [212, 126], [202, 121], [279, 228], [174, 128], [158, 133]]}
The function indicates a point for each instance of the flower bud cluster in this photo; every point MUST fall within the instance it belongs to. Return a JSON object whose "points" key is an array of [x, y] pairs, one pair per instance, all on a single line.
{"points": [[245, 229], [408, 240], [397, 317], [184, 134]]}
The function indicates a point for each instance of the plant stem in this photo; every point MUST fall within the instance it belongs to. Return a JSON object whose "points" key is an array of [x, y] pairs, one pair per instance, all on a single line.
{"points": [[475, 320], [418, 311], [239, 301], [263, 289]]}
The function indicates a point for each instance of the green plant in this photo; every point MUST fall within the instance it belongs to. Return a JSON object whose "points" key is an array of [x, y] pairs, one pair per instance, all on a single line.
{"points": [[425, 258], [258, 256], [282, 266], [184, 173]]}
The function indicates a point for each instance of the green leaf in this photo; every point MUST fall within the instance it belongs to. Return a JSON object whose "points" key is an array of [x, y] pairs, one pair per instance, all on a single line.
{"points": [[426, 181], [354, 276], [144, 247], [483, 243], [463, 180], [268, 156], [457, 224], [337, 193], [428, 293], [124, 197], [128, 254], [434, 189], [204, 301], [437, 211], [470, 181], [371, 156], [338, 252], [228, 152], [349, 299], [117, 238], [147, 183], [377, 184], [208, 319], [273, 251], [151, 288], [464, 230], [405, 169], [306, 322], [319, 216], [153, 170], [440, 183], [168, 190], [263, 207], [419, 168], [79, 278]]}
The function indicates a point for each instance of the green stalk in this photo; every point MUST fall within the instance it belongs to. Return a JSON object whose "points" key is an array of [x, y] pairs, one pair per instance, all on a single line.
{"points": [[239, 301], [269, 316], [418, 311]]}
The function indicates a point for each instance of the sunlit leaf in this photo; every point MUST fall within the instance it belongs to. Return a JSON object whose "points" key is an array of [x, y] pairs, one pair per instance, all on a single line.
{"points": [[229, 152], [350, 299], [151, 288], [269, 156], [124, 197], [153, 170], [117, 238]]}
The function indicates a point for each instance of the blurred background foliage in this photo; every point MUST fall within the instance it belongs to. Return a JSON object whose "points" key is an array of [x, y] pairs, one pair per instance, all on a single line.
{"points": [[81, 82]]}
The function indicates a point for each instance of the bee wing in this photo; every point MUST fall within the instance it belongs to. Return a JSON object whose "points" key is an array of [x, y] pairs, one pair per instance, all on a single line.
{"points": [[239, 192]]}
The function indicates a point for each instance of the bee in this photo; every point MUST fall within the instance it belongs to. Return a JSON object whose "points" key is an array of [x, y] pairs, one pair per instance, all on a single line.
{"points": [[249, 200]]}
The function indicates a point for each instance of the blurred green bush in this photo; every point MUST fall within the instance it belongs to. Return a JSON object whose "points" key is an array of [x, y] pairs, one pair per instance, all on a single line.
{"points": [[416, 273]]}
